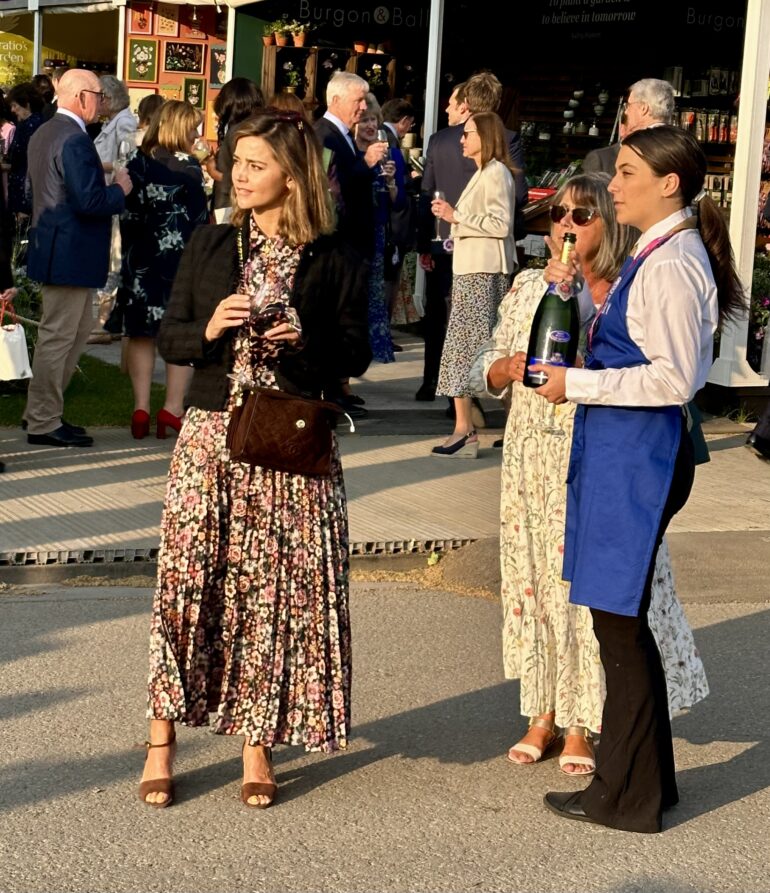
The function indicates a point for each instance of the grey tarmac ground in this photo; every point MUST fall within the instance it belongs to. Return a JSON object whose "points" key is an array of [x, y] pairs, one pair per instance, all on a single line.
{"points": [[423, 799]]}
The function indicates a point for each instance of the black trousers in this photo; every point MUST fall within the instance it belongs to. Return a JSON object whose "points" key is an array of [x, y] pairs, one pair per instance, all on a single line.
{"points": [[438, 291], [635, 777]]}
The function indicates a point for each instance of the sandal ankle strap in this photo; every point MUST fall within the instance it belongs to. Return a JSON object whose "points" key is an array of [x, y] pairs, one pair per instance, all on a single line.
{"points": [[149, 744], [547, 724], [583, 731]]}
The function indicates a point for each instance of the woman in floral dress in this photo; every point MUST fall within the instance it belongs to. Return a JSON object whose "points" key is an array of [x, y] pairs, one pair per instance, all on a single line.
{"points": [[548, 643], [166, 204], [250, 620]]}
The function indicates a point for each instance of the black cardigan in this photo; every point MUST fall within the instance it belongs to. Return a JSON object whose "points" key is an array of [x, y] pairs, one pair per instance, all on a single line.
{"points": [[329, 294]]}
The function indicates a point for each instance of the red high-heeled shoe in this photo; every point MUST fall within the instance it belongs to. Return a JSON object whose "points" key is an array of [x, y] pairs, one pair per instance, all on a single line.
{"points": [[140, 424], [166, 419]]}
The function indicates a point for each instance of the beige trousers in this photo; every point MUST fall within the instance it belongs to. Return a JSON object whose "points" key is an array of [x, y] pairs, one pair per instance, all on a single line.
{"points": [[65, 325]]}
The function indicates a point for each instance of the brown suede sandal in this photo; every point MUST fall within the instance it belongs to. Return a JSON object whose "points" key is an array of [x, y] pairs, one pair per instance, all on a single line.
{"points": [[158, 785], [259, 788]]}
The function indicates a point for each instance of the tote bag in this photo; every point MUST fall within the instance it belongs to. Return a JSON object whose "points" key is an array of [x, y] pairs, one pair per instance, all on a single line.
{"points": [[14, 356]]}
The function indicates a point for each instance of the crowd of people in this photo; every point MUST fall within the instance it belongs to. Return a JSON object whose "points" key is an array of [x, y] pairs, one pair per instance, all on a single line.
{"points": [[285, 282]]}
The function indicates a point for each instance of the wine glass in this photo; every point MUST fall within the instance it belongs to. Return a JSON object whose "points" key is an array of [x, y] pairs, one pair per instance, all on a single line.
{"points": [[382, 137], [201, 149], [438, 195], [124, 150]]}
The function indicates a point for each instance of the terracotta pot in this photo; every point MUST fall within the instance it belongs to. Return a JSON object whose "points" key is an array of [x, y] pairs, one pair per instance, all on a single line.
{"points": [[299, 39], [282, 39], [359, 46], [268, 39]]}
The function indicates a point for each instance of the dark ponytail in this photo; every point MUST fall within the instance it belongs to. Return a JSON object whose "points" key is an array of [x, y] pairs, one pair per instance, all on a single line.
{"points": [[670, 150]]}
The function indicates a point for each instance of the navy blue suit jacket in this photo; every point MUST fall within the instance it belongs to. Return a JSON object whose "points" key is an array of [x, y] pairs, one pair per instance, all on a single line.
{"points": [[355, 216], [447, 169], [72, 208]]}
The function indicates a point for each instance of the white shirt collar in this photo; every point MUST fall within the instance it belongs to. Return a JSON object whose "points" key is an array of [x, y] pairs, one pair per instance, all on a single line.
{"points": [[393, 130], [661, 228], [341, 126], [69, 114]]}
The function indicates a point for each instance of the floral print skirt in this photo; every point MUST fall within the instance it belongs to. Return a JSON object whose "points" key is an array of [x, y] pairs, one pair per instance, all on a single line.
{"points": [[250, 617]]}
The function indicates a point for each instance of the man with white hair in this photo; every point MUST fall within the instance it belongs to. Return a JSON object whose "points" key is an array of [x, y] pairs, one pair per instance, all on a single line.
{"points": [[69, 247], [355, 175], [650, 103]]}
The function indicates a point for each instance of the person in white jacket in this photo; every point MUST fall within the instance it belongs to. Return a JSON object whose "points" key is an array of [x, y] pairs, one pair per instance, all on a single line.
{"points": [[483, 260]]}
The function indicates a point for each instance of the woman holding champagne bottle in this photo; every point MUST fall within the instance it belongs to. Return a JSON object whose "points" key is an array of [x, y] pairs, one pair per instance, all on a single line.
{"points": [[631, 469], [548, 643]]}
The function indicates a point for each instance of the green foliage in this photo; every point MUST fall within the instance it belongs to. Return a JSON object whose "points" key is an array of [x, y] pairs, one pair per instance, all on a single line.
{"points": [[434, 558], [99, 395]]}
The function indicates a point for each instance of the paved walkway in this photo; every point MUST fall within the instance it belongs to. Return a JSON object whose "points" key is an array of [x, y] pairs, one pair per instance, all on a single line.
{"points": [[63, 505]]}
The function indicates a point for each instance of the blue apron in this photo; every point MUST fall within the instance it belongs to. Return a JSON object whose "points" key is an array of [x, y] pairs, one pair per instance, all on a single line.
{"points": [[620, 473]]}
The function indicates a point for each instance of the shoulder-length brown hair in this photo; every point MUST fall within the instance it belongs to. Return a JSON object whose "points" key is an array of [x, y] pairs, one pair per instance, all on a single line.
{"points": [[170, 128], [306, 213], [492, 136], [590, 191]]}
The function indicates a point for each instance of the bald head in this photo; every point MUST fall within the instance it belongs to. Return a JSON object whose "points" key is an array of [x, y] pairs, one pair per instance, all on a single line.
{"points": [[79, 91]]}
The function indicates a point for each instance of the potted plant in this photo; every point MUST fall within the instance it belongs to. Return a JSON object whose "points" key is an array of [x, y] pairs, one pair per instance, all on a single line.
{"points": [[292, 77], [281, 31], [268, 34], [299, 32]]}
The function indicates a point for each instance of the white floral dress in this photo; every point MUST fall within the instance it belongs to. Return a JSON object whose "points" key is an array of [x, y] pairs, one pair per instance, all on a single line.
{"points": [[548, 643]]}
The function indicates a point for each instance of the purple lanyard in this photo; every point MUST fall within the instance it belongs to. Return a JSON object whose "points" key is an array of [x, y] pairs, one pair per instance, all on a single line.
{"points": [[624, 273]]}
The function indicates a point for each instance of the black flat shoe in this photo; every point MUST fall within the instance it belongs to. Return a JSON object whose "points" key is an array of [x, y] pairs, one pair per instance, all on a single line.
{"points": [[76, 429], [354, 400], [397, 348], [425, 394], [567, 806], [760, 444], [61, 437]]}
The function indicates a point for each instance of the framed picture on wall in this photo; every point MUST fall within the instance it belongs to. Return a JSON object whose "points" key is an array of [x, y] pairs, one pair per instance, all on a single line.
{"points": [[136, 95], [142, 60], [140, 19], [170, 91], [184, 58], [218, 56], [167, 20], [195, 92]]}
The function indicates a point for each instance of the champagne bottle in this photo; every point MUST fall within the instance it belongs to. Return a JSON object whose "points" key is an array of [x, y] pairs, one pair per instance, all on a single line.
{"points": [[555, 331]]}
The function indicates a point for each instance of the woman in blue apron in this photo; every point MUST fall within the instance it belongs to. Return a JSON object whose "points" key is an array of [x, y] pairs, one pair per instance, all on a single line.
{"points": [[631, 468]]}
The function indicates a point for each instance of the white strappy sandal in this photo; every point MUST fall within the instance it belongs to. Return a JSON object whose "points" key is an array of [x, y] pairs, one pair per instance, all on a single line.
{"points": [[532, 750], [575, 760]]}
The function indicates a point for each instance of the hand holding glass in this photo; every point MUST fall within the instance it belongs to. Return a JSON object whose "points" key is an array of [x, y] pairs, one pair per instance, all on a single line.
{"points": [[439, 196]]}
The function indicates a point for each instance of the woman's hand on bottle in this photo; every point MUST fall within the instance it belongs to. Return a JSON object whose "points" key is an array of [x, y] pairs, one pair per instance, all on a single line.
{"points": [[516, 366], [556, 271], [555, 389], [231, 312]]}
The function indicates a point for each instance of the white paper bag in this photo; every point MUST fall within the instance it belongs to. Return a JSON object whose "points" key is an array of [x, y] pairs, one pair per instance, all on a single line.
{"points": [[14, 356]]}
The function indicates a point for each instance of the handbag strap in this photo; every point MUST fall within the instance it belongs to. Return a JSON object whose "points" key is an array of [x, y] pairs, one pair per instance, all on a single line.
{"points": [[7, 308]]}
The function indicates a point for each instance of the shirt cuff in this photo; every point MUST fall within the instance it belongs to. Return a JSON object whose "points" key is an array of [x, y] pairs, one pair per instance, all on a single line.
{"points": [[581, 385]]}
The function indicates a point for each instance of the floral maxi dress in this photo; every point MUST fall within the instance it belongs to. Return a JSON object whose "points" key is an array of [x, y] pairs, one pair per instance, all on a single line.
{"points": [[549, 643], [250, 618]]}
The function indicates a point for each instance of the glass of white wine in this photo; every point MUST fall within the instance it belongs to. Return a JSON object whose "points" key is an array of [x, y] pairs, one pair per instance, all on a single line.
{"points": [[438, 195]]}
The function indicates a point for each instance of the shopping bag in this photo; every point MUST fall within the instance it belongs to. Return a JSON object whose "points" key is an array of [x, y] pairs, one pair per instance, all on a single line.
{"points": [[14, 356]]}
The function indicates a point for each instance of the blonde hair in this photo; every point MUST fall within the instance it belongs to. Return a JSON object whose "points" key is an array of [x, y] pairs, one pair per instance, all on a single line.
{"points": [[306, 213], [170, 128]]}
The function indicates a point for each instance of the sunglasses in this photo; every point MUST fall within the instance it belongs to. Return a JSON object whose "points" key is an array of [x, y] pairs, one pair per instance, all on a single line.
{"points": [[580, 216]]}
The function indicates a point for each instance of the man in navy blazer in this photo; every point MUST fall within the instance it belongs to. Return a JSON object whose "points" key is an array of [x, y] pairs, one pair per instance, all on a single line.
{"points": [[69, 248], [355, 172]]}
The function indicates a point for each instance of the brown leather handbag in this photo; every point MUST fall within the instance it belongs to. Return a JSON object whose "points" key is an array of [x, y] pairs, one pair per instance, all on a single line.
{"points": [[276, 430]]}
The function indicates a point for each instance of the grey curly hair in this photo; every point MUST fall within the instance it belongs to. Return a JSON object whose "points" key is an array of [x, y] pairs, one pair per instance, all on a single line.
{"points": [[115, 94], [659, 96]]}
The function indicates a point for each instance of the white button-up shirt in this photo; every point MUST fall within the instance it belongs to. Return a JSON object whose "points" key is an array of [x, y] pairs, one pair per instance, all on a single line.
{"points": [[672, 315]]}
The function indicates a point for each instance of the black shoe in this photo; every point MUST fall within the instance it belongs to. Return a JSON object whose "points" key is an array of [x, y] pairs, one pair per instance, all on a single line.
{"points": [[426, 394], [2, 467], [567, 806], [397, 348], [61, 437], [76, 429], [498, 444], [353, 400], [352, 409], [760, 444]]}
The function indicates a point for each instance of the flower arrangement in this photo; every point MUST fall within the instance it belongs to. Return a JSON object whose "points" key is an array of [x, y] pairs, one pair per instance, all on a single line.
{"points": [[299, 27], [291, 74], [375, 75]]}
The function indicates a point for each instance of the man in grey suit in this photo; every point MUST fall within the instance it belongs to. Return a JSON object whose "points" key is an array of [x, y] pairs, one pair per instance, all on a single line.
{"points": [[448, 170], [69, 247], [650, 102]]}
